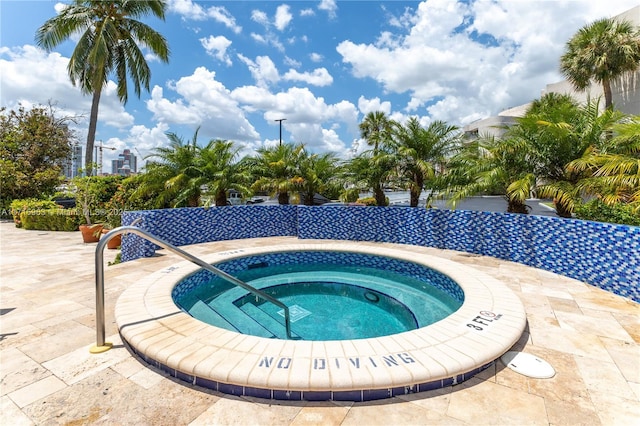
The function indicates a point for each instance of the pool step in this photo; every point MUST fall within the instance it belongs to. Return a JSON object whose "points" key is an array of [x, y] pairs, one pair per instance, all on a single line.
{"points": [[205, 313], [275, 326]]}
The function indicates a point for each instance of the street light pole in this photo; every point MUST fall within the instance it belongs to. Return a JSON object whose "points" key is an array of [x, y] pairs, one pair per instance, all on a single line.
{"points": [[280, 120]]}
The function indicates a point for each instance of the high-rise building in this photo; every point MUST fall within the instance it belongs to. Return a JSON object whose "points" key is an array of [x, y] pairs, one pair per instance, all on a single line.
{"points": [[125, 164], [73, 164]]}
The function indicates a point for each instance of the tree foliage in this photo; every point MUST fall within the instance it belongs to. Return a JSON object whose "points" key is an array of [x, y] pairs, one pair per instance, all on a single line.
{"points": [[34, 145], [602, 51]]}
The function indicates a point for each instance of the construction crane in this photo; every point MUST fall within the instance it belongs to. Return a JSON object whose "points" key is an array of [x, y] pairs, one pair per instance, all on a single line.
{"points": [[99, 148]]}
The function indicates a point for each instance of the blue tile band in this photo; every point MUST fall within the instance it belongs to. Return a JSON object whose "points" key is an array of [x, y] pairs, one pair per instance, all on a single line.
{"points": [[602, 254]]}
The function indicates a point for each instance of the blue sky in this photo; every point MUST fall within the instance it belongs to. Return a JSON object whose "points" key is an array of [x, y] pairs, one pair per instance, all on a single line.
{"points": [[236, 66]]}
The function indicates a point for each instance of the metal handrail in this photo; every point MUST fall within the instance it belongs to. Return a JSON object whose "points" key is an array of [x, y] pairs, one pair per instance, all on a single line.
{"points": [[101, 346]]}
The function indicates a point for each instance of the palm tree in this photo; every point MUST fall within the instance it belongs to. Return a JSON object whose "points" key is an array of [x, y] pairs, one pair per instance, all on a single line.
{"points": [[277, 170], [601, 51], [316, 173], [222, 171], [110, 40], [489, 165], [420, 151], [376, 130], [614, 171], [175, 174], [564, 134]]}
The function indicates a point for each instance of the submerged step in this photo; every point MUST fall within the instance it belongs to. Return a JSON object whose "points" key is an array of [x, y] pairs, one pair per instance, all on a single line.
{"points": [[274, 326]]}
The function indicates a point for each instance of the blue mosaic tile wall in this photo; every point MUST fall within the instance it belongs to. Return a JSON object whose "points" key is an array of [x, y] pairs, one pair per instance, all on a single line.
{"points": [[601, 254], [198, 225]]}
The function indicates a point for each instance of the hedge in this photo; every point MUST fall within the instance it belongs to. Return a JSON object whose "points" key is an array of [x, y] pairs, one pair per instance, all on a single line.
{"points": [[51, 220]]}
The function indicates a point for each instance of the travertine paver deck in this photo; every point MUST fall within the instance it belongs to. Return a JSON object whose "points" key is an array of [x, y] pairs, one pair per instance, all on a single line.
{"points": [[47, 376]]}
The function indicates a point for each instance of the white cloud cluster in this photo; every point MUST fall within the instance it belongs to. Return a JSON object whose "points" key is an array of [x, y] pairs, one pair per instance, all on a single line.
{"points": [[217, 47], [462, 61], [457, 61]]}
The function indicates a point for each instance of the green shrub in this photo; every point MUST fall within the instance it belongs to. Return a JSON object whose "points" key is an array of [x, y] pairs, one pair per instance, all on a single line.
{"points": [[51, 220], [598, 211], [28, 204], [369, 201]]}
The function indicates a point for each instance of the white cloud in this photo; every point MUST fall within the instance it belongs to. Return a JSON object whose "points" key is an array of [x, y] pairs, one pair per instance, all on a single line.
{"points": [[460, 60], [30, 76], [188, 9], [193, 11], [366, 106], [217, 47], [263, 70], [283, 17], [306, 115], [203, 102], [318, 77], [307, 12], [260, 17], [328, 6], [292, 62], [220, 14], [316, 57]]}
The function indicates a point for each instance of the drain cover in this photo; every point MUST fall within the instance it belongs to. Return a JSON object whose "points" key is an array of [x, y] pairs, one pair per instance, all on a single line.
{"points": [[528, 365]]}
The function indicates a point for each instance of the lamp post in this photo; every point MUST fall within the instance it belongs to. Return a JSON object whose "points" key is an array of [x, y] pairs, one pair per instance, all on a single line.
{"points": [[280, 120]]}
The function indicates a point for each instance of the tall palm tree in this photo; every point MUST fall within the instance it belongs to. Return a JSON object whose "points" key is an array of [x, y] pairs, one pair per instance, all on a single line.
{"points": [[376, 130], [421, 150], [110, 40], [222, 171], [277, 170], [174, 174], [601, 51]]}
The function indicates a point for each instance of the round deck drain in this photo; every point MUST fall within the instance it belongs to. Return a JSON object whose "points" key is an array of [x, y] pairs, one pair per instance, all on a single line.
{"points": [[528, 365]]}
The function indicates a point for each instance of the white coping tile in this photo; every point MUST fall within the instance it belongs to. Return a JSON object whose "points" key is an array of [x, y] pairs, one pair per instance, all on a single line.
{"points": [[441, 350]]}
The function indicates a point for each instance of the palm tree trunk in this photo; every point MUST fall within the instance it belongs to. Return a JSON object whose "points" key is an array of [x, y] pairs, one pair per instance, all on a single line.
{"points": [[221, 198], [378, 193], [91, 134], [416, 190], [283, 198], [514, 206], [608, 96]]}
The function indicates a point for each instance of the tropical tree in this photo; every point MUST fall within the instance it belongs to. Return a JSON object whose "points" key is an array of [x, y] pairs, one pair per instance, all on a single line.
{"points": [[276, 169], [366, 171], [602, 51], [562, 133], [34, 144], [421, 151], [174, 174], [614, 170], [317, 172], [376, 130], [490, 165], [222, 171], [109, 44]]}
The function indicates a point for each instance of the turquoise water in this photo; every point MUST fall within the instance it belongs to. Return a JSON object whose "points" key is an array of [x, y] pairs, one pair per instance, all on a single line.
{"points": [[326, 301]]}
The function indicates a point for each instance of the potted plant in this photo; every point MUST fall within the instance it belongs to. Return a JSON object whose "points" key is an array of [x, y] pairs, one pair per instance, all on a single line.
{"points": [[86, 200]]}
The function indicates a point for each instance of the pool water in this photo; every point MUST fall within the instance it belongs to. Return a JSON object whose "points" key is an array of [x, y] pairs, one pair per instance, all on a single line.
{"points": [[327, 301]]}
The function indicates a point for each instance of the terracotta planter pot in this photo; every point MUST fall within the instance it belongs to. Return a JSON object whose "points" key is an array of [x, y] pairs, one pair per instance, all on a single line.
{"points": [[115, 242], [90, 233]]}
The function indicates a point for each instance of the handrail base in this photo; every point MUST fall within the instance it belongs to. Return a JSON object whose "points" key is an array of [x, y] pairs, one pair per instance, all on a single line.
{"points": [[95, 349]]}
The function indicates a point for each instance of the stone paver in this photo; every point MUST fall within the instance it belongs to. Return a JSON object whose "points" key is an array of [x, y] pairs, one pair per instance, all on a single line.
{"points": [[47, 376]]}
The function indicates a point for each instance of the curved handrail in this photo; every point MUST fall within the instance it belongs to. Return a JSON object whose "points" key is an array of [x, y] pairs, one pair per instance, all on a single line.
{"points": [[99, 263]]}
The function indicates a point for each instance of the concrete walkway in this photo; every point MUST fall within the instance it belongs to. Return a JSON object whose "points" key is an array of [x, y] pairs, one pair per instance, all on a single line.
{"points": [[48, 376]]}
